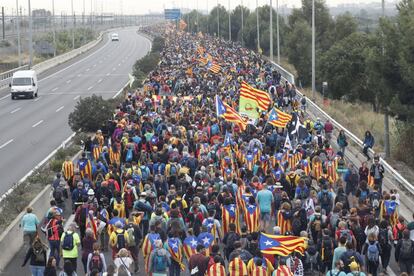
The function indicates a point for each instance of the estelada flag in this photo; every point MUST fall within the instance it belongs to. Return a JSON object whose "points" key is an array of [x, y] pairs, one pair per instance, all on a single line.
{"points": [[176, 250], [230, 214], [206, 239], [147, 246], [251, 217], [281, 245], [91, 223], [189, 246], [279, 118]]}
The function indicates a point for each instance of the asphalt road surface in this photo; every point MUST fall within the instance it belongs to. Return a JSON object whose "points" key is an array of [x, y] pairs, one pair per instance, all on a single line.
{"points": [[31, 129]]}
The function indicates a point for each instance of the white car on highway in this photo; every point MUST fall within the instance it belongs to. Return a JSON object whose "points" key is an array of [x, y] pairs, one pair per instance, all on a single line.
{"points": [[24, 83], [114, 37]]}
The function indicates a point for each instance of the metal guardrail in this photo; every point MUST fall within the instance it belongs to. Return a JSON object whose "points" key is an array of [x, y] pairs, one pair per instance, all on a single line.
{"points": [[5, 77], [388, 168]]}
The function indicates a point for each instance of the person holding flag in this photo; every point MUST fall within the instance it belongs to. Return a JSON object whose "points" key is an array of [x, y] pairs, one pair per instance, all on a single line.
{"points": [[175, 248]]}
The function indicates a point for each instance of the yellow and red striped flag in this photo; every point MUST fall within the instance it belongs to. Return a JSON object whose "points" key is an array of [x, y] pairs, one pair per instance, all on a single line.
{"points": [[147, 246], [237, 267], [216, 270], [214, 67], [190, 245], [97, 150], [230, 214], [281, 245], [279, 118], [68, 169], [91, 223], [284, 224], [251, 217], [223, 110], [203, 60], [200, 50], [266, 264], [261, 97], [176, 250]]}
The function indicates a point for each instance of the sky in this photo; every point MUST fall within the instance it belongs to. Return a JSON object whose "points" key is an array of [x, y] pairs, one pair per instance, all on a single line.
{"points": [[146, 6]]}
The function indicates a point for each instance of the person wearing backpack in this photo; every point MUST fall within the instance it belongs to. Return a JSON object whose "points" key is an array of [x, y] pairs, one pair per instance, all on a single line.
{"points": [[336, 269], [134, 239], [372, 251], [37, 256], [325, 198], [69, 244], [384, 241], [229, 240], [54, 230], [326, 248], [96, 261], [160, 260], [351, 256], [87, 247], [118, 239], [404, 253]]}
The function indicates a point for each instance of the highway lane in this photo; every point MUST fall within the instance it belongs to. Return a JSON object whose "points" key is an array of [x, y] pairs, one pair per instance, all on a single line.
{"points": [[31, 129]]}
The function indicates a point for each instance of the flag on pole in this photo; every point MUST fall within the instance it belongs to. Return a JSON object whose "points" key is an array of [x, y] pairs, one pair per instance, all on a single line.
{"points": [[281, 245], [214, 67], [223, 110], [262, 98], [278, 118]]}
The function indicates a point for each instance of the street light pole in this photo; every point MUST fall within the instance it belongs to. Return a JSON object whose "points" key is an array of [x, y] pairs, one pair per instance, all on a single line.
{"points": [[387, 147], [53, 28], [19, 50], [73, 26], [271, 31], [277, 32], [218, 19], [257, 26], [30, 35], [242, 23], [313, 49], [229, 22]]}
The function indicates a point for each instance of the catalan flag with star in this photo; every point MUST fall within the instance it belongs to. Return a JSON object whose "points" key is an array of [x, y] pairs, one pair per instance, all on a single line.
{"points": [[251, 217], [176, 250], [281, 245], [147, 246], [189, 246], [223, 110], [206, 239], [279, 118], [230, 214]]}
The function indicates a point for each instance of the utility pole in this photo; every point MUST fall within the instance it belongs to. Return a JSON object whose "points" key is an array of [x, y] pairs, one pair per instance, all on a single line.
{"points": [[257, 26], [271, 31], [2, 20], [53, 28], [229, 22], [277, 32], [19, 50], [197, 16], [242, 23], [73, 26], [207, 18], [218, 19], [313, 49], [30, 36], [91, 15], [387, 147], [83, 14]]}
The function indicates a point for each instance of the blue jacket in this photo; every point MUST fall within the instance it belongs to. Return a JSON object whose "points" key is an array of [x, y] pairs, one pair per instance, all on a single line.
{"points": [[369, 141]]}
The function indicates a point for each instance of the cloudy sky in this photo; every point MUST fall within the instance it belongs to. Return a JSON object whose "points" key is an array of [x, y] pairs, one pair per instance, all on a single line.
{"points": [[145, 6]]}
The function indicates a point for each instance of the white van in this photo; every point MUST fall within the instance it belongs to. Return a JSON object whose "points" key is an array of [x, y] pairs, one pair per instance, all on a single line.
{"points": [[24, 83]]}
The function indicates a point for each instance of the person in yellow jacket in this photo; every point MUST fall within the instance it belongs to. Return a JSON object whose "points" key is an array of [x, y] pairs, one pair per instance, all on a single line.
{"points": [[118, 239]]}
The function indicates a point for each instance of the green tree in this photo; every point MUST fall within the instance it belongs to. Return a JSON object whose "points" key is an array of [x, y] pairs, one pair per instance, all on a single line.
{"points": [[219, 14], [343, 26], [236, 24], [90, 113], [343, 67]]}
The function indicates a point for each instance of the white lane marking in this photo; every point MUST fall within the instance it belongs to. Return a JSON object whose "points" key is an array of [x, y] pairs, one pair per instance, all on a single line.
{"points": [[119, 64], [68, 81], [99, 80], [5, 144], [15, 110], [108, 74], [113, 69], [37, 99], [38, 123], [87, 69], [54, 89], [78, 75], [2, 98], [90, 88], [94, 65], [60, 108], [100, 61], [79, 61], [77, 97]]}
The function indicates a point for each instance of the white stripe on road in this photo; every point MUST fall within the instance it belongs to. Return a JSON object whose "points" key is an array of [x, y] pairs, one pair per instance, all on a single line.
{"points": [[113, 69], [119, 64], [78, 75], [94, 65], [38, 123], [54, 89], [15, 110], [108, 74], [90, 88], [68, 81], [87, 69], [5, 144], [60, 108], [2, 98], [99, 80], [77, 97], [37, 99]]}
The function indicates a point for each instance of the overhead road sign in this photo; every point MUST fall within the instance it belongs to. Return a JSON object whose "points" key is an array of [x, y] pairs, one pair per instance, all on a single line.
{"points": [[172, 14]]}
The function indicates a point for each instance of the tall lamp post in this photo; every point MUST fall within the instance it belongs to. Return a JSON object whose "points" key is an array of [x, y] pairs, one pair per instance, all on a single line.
{"points": [[313, 49], [257, 26], [271, 31], [30, 35]]}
